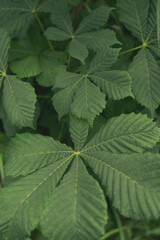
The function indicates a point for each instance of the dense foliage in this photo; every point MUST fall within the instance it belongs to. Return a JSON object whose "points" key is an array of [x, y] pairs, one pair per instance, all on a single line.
{"points": [[79, 110]]}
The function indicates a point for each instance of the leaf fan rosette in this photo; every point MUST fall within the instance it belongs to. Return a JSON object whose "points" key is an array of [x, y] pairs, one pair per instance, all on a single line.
{"points": [[84, 37], [19, 106], [84, 94], [56, 190]]}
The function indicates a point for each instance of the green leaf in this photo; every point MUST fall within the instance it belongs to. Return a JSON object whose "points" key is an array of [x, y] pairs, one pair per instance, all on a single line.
{"points": [[56, 34], [78, 50], [116, 84], [96, 19], [25, 149], [98, 40], [77, 203], [81, 97], [19, 105], [89, 101], [79, 132], [131, 182], [145, 77], [60, 17], [52, 64], [125, 134], [23, 200], [16, 15], [4, 47], [133, 14], [158, 21], [26, 67], [103, 60]]}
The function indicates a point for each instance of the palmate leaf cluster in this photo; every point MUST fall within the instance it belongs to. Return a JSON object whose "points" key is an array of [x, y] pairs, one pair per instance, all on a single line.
{"points": [[65, 190]]}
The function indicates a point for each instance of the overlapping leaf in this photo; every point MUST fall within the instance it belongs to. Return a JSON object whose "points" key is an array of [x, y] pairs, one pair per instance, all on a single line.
{"points": [[34, 60], [140, 17], [56, 182], [84, 37], [80, 96], [15, 15], [19, 106]]}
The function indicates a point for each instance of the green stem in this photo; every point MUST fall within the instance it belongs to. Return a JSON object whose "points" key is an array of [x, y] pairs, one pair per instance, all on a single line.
{"points": [[43, 30], [112, 232], [61, 131], [1, 170], [131, 50], [86, 6], [119, 223]]}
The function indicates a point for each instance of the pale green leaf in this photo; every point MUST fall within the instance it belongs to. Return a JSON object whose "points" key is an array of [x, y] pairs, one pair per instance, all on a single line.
{"points": [[63, 99], [68, 82], [79, 132], [60, 17], [84, 212], [131, 181], [103, 60], [23, 155], [98, 40], [19, 105], [66, 79], [145, 77], [4, 47], [88, 102], [125, 134], [96, 19], [52, 64], [26, 67], [116, 84], [56, 34], [133, 14], [16, 15], [23, 200], [158, 20], [78, 50]]}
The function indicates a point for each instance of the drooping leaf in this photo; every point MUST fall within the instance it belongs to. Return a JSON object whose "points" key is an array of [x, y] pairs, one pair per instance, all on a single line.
{"points": [[158, 21], [19, 105], [98, 40], [60, 17], [145, 77], [116, 84], [133, 14], [76, 204], [103, 60], [31, 158], [79, 132], [78, 50], [131, 182], [16, 15], [23, 200], [96, 19], [4, 47], [125, 134], [26, 67], [88, 101], [81, 97], [56, 34]]}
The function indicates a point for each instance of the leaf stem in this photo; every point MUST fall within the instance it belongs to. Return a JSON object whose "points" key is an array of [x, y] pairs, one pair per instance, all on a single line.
{"points": [[119, 223], [1, 170], [112, 232], [131, 50], [42, 27], [86, 6]]}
